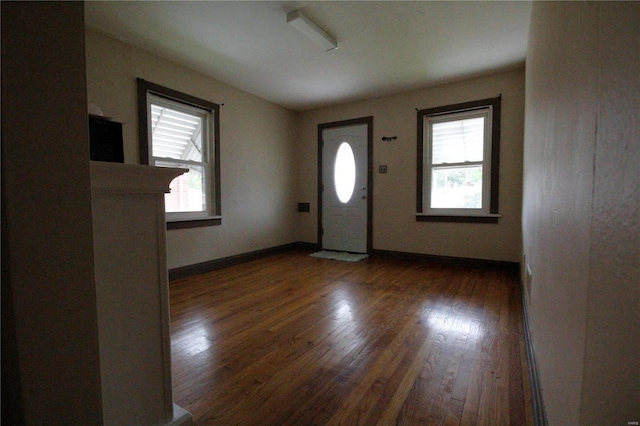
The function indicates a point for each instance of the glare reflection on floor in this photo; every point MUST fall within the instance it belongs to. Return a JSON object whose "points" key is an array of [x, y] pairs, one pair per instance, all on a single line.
{"points": [[343, 310], [342, 305], [458, 326], [193, 341], [346, 334]]}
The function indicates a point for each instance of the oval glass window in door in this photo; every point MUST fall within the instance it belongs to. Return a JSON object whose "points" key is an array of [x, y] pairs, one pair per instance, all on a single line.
{"points": [[344, 172]]}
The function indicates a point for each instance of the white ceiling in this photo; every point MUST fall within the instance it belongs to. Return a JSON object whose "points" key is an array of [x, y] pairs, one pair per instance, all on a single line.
{"points": [[384, 47]]}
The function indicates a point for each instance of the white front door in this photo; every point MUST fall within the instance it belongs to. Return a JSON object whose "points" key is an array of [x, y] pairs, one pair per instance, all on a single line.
{"points": [[345, 188]]}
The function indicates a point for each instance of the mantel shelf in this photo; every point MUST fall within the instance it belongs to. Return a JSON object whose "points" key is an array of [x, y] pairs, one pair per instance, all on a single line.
{"points": [[131, 178]]}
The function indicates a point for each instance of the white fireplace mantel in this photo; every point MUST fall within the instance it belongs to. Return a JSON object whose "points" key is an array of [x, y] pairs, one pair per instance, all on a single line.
{"points": [[132, 294], [131, 178]]}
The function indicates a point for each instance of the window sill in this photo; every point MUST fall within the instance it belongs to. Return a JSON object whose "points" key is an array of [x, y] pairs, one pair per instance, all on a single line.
{"points": [[194, 223], [489, 218]]}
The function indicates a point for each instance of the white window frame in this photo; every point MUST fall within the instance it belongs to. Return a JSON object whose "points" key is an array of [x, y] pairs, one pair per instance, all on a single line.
{"points": [[429, 167], [207, 153], [489, 109], [150, 93]]}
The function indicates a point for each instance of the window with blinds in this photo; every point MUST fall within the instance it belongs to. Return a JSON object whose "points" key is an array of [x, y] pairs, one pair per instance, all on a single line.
{"points": [[457, 177], [180, 136], [179, 130], [457, 160]]}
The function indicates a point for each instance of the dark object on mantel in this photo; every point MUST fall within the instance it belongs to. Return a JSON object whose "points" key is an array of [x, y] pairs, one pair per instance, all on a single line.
{"points": [[105, 137]]}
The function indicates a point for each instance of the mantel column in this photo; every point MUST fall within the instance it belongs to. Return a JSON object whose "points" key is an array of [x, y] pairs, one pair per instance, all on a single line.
{"points": [[132, 293]]}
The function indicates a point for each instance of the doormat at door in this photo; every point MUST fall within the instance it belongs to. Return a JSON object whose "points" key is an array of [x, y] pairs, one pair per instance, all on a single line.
{"points": [[339, 255]]}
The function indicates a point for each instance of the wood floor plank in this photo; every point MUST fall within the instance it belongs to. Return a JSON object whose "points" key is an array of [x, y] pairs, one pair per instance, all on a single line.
{"points": [[363, 404], [296, 340]]}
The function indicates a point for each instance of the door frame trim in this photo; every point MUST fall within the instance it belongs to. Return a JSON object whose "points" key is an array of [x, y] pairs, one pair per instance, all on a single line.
{"points": [[345, 123]]}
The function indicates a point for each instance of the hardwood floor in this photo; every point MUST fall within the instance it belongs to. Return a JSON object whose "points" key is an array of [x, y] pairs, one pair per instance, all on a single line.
{"points": [[292, 339]]}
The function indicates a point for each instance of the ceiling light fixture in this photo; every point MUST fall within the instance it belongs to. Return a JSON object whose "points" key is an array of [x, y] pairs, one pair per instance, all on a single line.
{"points": [[306, 26]]}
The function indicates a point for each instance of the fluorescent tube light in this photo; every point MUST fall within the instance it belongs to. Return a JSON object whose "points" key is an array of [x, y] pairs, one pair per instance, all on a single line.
{"points": [[306, 26]]}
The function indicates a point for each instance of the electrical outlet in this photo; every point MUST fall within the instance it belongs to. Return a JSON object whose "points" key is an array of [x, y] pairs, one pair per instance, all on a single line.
{"points": [[382, 168]]}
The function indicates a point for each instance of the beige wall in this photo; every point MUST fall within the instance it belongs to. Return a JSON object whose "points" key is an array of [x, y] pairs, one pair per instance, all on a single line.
{"points": [[394, 193], [266, 170], [581, 208], [257, 150], [47, 243]]}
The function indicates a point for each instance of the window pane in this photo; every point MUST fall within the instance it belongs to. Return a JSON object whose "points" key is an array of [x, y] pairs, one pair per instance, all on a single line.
{"points": [[187, 190], [344, 172], [176, 134], [458, 141], [456, 187]]}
